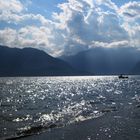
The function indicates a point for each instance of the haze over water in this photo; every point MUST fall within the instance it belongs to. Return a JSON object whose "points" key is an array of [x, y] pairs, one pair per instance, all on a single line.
{"points": [[36, 104]]}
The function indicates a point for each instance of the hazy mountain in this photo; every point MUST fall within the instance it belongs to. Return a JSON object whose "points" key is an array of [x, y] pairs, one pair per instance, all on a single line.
{"points": [[104, 61], [32, 62], [136, 69]]}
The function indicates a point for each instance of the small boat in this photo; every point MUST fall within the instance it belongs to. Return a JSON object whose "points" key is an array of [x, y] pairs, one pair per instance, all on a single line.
{"points": [[122, 76]]}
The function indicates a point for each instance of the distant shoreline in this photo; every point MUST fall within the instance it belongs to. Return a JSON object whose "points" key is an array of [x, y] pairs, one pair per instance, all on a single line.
{"points": [[66, 75]]}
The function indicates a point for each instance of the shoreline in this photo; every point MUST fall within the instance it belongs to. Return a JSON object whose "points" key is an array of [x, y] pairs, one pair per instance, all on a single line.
{"points": [[67, 76]]}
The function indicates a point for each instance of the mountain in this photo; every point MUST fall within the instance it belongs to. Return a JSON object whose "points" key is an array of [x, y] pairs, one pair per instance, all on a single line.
{"points": [[32, 62], [136, 69], [105, 61]]}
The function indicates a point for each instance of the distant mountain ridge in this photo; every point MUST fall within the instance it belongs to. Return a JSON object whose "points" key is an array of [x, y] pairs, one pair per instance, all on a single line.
{"points": [[98, 61], [32, 62], [136, 69], [105, 61]]}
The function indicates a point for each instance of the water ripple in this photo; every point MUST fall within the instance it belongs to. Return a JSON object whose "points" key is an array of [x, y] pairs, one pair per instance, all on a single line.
{"points": [[28, 103]]}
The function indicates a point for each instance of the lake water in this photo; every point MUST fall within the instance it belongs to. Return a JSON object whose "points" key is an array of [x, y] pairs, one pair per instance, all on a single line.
{"points": [[35, 104]]}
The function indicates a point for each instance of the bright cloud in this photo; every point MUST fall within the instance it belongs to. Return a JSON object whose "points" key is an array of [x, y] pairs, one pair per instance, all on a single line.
{"points": [[107, 3], [131, 11], [13, 6], [78, 25]]}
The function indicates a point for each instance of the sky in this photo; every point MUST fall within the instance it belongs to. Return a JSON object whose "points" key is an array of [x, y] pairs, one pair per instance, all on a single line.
{"points": [[66, 27]]}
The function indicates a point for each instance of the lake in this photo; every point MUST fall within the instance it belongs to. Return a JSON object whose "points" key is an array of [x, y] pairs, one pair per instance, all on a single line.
{"points": [[32, 105]]}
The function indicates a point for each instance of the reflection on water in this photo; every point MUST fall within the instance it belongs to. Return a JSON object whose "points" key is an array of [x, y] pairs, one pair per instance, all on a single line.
{"points": [[28, 105]]}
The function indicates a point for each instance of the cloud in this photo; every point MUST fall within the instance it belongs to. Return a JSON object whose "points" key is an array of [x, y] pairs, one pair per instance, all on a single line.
{"points": [[129, 14], [7, 36], [13, 11], [79, 25], [13, 6], [26, 36], [116, 44], [130, 11], [31, 36], [89, 23], [9, 10], [107, 3]]}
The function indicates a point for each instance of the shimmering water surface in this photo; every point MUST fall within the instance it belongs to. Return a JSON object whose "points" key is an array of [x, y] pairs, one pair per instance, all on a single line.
{"points": [[35, 104]]}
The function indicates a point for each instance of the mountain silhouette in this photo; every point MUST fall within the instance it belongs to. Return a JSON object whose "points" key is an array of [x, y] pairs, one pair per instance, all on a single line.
{"points": [[32, 62], [105, 61], [136, 69]]}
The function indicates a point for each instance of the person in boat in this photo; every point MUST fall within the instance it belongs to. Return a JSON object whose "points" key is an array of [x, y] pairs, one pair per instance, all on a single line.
{"points": [[122, 76]]}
